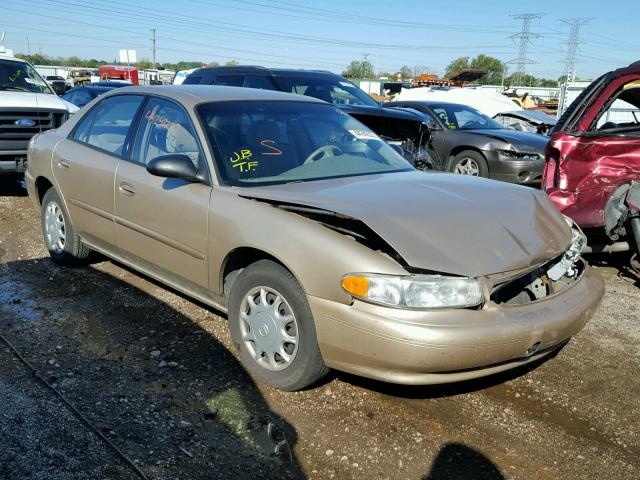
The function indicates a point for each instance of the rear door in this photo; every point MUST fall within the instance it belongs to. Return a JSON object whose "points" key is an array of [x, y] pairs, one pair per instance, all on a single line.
{"points": [[162, 223], [605, 153], [84, 166]]}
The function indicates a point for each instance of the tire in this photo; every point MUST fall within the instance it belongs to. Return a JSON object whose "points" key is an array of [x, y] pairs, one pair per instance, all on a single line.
{"points": [[471, 161], [64, 244], [258, 346]]}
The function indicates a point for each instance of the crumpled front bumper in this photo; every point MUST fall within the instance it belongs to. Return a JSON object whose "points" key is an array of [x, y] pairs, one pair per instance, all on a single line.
{"points": [[441, 346], [525, 172]]}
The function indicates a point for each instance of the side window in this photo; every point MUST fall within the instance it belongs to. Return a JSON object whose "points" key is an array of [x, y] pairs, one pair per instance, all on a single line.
{"points": [[165, 129], [623, 114], [229, 80], [258, 81], [111, 123], [82, 130]]}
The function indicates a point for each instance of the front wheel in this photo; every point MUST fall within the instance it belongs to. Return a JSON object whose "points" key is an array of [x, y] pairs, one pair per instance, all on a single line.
{"points": [[272, 327], [470, 163], [63, 243]]}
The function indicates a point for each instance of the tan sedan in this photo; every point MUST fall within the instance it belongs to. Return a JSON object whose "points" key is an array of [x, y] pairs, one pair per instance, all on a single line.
{"points": [[325, 247]]}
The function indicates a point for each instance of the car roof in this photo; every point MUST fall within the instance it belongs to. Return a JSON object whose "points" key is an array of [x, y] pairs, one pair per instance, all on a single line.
{"points": [[433, 103], [190, 95], [240, 69]]}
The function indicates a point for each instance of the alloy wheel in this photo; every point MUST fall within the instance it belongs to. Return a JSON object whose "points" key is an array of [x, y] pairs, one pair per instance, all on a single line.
{"points": [[467, 166]]}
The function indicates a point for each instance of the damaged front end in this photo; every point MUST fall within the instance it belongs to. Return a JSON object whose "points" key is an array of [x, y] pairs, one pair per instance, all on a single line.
{"points": [[546, 280], [406, 131]]}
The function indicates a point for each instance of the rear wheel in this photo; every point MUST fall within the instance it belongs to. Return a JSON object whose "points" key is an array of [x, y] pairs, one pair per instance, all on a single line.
{"points": [[469, 162], [63, 243], [273, 329]]}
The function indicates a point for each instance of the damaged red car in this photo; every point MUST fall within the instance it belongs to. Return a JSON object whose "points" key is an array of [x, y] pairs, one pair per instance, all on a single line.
{"points": [[592, 169]]}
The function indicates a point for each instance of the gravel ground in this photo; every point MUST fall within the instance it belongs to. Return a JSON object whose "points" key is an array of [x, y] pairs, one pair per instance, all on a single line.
{"points": [[153, 371]]}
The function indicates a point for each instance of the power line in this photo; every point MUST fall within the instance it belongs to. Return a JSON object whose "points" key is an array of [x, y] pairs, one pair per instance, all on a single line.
{"points": [[572, 45], [525, 36]]}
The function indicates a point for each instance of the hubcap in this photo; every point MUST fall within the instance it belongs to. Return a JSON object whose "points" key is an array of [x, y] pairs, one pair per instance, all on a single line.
{"points": [[269, 329], [467, 166], [55, 228]]}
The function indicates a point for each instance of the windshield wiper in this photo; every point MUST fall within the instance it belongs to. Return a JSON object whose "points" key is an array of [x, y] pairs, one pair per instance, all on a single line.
{"points": [[14, 87]]}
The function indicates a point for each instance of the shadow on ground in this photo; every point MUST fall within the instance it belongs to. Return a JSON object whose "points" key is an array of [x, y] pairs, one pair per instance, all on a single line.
{"points": [[456, 461], [158, 384], [621, 262], [10, 186]]}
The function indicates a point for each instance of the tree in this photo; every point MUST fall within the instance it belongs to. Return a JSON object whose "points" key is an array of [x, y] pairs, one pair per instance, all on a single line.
{"points": [[230, 63], [422, 70], [405, 72], [494, 68], [455, 65], [212, 63], [359, 69]]}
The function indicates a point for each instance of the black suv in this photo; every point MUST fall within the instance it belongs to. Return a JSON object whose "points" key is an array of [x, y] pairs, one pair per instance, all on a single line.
{"points": [[402, 128]]}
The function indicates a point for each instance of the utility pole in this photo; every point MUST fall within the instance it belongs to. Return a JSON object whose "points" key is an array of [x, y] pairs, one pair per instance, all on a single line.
{"points": [[153, 46], [572, 45], [525, 37]]}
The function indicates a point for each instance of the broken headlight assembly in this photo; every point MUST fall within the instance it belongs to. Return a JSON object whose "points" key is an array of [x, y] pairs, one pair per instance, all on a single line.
{"points": [[566, 267], [414, 291], [513, 155]]}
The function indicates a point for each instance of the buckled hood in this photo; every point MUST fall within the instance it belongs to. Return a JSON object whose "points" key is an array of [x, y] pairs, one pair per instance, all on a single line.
{"points": [[441, 222]]}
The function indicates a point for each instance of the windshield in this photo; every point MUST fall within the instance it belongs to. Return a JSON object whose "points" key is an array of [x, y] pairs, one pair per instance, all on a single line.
{"points": [[261, 143], [331, 89], [461, 117], [21, 77]]}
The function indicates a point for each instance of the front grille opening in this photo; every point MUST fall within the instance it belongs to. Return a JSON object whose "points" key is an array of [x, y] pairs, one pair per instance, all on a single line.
{"points": [[533, 286]]}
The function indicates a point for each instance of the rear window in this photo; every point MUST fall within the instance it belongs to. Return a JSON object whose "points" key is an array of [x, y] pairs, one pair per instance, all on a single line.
{"points": [[334, 90], [229, 80], [193, 80]]}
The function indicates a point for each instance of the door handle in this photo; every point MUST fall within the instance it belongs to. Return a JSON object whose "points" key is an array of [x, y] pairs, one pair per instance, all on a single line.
{"points": [[63, 164], [127, 189]]}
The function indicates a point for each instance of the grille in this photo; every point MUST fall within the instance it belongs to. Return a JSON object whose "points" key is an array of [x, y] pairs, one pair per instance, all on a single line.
{"points": [[44, 120]]}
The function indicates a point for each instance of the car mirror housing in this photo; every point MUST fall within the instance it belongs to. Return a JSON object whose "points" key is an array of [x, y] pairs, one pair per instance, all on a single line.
{"points": [[175, 166]]}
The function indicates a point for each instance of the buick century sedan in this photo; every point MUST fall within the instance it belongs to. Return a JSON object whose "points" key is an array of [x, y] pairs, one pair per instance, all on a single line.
{"points": [[324, 246]]}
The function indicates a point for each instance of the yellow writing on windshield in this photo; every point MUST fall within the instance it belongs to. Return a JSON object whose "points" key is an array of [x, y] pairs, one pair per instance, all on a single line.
{"points": [[242, 160]]}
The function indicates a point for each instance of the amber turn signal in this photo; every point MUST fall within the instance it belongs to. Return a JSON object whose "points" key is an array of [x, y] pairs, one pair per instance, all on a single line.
{"points": [[356, 285]]}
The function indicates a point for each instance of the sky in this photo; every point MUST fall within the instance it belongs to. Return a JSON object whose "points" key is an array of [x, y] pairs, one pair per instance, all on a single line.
{"points": [[327, 35]]}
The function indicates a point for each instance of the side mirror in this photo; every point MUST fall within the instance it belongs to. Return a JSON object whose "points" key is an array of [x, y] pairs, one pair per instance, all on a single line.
{"points": [[176, 165]]}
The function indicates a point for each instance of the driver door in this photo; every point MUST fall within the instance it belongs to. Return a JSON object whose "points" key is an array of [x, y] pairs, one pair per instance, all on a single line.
{"points": [[162, 223]]}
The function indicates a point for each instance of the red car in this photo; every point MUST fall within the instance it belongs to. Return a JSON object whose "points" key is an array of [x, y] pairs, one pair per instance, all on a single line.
{"points": [[592, 169]]}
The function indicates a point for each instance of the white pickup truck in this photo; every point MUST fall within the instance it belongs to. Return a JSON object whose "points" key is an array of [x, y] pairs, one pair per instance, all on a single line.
{"points": [[28, 106]]}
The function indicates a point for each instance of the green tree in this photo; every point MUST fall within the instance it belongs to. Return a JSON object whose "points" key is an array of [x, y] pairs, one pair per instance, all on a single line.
{"points": [[359, 69], [455, 65], [230, 63], [493, 66]]}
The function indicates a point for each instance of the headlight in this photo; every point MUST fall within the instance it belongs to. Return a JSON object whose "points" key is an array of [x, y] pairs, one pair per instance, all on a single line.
{"points": [[512, 154], [414, 291]]}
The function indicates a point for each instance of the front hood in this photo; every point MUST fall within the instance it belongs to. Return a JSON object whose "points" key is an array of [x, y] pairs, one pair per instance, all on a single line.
{"points": [[441, 222], [521, 141], [31, 100], [537, 117]]}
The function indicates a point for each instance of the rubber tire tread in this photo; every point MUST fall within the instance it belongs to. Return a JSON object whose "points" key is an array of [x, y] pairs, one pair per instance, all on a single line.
{"points": [[308, 367]]}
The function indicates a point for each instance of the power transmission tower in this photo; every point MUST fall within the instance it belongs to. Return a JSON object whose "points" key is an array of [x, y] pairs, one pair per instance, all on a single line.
{"points": [[525, 36], [153, 46], [572, 45]]}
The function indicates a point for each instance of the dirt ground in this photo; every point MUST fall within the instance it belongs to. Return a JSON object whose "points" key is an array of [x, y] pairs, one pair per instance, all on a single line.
{"points": [[153, 371]]}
